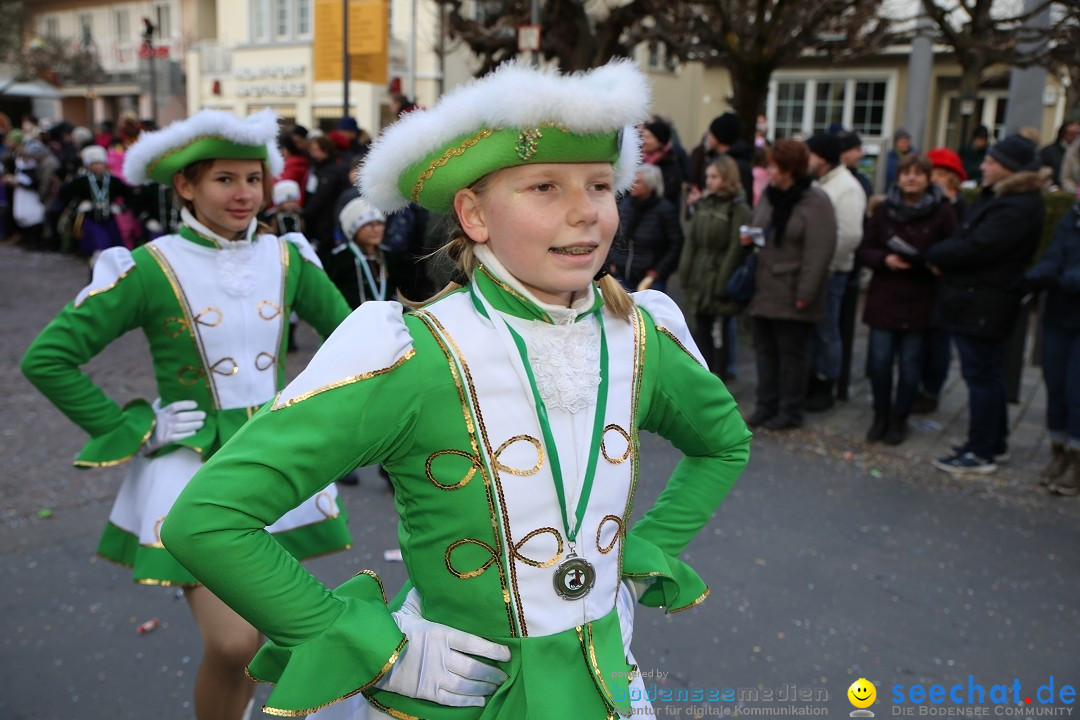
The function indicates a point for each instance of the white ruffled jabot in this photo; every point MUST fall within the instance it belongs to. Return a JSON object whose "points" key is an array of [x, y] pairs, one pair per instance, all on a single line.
{"points": [[565, 356], [235, 273]]}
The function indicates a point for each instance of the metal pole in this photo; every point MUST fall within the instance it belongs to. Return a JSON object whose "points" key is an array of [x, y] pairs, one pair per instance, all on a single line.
{"points": [[345, 57], [412, 52], [534, 18], [153, 72]]}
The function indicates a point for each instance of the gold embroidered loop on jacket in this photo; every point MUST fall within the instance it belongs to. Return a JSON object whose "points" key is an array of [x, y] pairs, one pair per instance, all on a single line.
{"points": [[189, 375], [175, 326], [516, 551], [514, 471], [325, 504], [225, 366], [474, 465], [469, 573], [157, 532], [268, 309], [600, 529], [264, 361], [209, 316], [603, 445]]}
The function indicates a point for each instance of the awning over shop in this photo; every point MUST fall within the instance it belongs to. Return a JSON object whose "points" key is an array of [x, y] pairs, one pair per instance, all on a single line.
{"points": [[33, 89]]}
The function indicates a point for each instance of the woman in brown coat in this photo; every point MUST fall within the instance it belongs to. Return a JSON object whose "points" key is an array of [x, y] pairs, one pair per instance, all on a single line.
{"points": [[793, 267]]}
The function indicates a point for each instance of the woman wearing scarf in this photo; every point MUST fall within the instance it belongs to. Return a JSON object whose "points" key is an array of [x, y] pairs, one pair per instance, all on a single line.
{"points": [[914, 216], [793, 268]]}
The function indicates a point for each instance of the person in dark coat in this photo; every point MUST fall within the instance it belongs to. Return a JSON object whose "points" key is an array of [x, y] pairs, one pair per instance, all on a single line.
{"points": [[647, 246], [657, 149], [978, 296], [327, 178], [1053, 154], [1058, 272], [900, 298], [723, 138], [792, 276]]}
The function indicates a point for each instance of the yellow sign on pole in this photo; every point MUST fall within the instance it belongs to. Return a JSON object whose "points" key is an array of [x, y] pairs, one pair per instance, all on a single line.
{"points": [[368, 26], [326, 45], [368, 30]]}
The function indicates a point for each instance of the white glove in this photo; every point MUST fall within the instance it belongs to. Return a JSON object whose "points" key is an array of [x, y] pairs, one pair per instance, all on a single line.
{"points": [[174, 422], [85, 206], [436, 664], [153, 226], [115, 209]]}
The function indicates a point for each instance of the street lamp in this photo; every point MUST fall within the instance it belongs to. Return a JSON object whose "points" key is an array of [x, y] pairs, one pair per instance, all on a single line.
{"points": [[148, 46]]}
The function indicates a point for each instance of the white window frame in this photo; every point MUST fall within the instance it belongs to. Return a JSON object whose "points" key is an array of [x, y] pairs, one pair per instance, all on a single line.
{"points": [[121, 23], [282, 10], [165, 29], [990, 99], [304, 19], [50, 26], [810, 78]]}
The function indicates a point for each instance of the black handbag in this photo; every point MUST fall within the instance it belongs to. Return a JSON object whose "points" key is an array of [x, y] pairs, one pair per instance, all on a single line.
{"points": [[740, 286]]}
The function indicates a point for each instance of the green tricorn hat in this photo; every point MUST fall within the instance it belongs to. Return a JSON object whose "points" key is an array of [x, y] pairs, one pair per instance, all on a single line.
{"points": [[206, 135], [516, 115]]}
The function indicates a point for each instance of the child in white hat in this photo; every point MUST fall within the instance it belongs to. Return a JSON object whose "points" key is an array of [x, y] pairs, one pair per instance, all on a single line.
{"points": [[285, 216], [213, 301], [507, 412], [358, 265], [94, 197]]}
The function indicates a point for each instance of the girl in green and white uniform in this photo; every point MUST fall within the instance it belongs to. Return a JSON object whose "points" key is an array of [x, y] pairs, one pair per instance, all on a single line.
{"points": [[213, 302], [507, 412]]}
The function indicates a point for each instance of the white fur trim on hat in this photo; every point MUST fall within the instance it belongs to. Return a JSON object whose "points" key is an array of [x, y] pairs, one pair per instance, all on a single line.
{"points": [[605, 99], [260, 128], [356, 214], [93, 154], [285, 190]]}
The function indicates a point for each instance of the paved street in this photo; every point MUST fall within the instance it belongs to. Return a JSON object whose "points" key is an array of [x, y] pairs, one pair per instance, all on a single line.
{"points": [[830, 561]]}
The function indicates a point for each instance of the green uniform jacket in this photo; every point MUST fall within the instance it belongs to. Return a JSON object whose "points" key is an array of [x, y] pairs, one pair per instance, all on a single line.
{"points": [[404, 410]]}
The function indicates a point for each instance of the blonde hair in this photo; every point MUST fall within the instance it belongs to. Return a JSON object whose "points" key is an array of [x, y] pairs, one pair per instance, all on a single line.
{"points": [[728, 171], [459, 252]]}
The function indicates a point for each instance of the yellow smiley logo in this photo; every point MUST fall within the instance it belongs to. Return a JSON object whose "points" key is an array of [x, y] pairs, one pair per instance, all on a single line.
{"points": [[862, 693]]}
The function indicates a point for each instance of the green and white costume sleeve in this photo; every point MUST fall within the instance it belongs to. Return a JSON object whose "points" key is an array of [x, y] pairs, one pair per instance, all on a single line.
{"points": [[445, 400], [215, 315]]}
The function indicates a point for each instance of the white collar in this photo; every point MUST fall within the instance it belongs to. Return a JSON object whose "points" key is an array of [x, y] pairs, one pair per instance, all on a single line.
{"points": [[189, 219], [559, 314]]}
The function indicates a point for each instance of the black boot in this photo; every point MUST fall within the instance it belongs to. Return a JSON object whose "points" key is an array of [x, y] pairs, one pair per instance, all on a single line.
{"points": [[1059, 463], [760, 417], [820, 396], [897, 431], [878, 427]]}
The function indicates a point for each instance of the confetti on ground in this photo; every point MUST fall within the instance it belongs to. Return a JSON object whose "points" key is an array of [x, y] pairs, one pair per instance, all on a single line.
{"points": [[149, 626]]}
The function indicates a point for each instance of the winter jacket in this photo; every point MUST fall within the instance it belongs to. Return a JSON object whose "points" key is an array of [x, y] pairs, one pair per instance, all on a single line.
{"points": [[903, 299], [649, 238], [982, 264], [326, 181], [296, 169], [849, 204], [798, 267], [1059, 268], [710, 255]]}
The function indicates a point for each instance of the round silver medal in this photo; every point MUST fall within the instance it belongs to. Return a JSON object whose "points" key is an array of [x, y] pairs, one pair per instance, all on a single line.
{"points": [[574, 578]]}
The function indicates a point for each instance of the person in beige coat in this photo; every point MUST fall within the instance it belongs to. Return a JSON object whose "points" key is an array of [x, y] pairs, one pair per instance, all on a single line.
{"points": [[791, 282]]}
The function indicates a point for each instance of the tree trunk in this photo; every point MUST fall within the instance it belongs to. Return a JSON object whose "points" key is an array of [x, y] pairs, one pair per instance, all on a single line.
{"points": [[750, 86], [969, 90]]}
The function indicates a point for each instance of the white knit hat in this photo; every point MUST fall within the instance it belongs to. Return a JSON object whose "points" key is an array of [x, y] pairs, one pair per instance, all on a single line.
{"points": [[356, 214], [286, 190], [93, 154]]}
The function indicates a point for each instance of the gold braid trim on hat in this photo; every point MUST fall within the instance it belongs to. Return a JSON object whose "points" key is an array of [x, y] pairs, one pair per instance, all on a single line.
{"points": [[451, 153]]}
